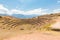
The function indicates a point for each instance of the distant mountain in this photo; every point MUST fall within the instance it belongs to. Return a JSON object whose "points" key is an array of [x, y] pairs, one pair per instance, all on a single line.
{"points": [[19, 15], [40, 22], [4, 15], [23, 16]]}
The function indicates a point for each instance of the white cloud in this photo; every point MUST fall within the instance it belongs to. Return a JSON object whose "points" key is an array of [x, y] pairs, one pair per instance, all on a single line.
{"points": [[30, 12], [3, 10], [16, 11], [38, 11], [58, 1], [56, 11]]}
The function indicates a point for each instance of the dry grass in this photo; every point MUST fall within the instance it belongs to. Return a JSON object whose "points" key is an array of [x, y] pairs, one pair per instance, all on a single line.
{"points": [[10, 26]]}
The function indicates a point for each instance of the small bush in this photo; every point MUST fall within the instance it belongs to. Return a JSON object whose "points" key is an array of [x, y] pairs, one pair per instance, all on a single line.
{"points": [[55, 29]]}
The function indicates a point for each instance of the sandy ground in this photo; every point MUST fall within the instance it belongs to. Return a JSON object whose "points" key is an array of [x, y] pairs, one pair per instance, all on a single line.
{"points": [[34, 36], [57, 24]]}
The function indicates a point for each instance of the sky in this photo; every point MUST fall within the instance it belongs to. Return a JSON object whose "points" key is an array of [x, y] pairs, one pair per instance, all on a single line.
{"points": [[29, 7]]}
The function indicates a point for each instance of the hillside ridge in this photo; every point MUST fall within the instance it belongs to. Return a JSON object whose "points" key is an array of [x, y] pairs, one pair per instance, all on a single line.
{"points": [[12, 23]]}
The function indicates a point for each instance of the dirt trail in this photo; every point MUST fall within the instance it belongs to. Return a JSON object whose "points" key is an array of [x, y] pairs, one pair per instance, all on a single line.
{"points": [[38, 35], [56, 25], [34, 36]]}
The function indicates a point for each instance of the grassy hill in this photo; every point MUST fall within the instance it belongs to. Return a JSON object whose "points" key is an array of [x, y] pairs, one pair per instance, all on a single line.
{"points": [[12, 26], [36, 23]]}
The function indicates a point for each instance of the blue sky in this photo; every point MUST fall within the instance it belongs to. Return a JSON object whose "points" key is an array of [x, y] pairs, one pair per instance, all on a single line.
{"points": [[26, 6]]}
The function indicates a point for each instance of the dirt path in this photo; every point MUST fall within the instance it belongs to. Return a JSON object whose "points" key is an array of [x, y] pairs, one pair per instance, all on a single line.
{"points": [[35, 36], [56, 25]]}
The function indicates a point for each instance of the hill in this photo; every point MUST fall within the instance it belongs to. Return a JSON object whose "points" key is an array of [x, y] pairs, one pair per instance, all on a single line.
{"points": [[35, 23]]}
